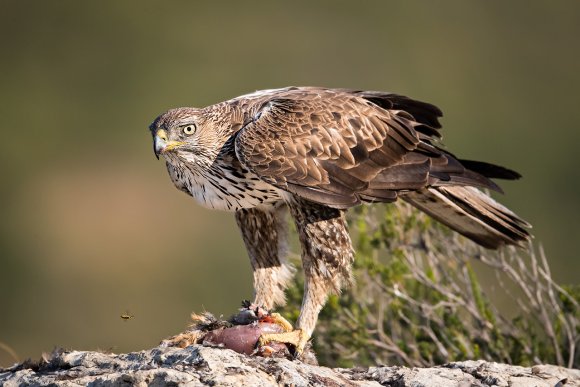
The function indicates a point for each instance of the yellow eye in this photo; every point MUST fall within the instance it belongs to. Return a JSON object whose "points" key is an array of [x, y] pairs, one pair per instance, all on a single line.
{"points": [[189, 129]]}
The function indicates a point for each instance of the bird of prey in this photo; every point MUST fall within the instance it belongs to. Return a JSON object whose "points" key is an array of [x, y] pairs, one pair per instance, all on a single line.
{"points": [[315, 152]]}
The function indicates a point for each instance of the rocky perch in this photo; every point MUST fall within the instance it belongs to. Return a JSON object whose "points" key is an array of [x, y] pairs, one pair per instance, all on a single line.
{"points": [[206, 366]]}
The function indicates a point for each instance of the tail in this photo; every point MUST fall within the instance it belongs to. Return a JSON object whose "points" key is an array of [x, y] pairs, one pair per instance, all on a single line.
{"points": [[471, 213]]}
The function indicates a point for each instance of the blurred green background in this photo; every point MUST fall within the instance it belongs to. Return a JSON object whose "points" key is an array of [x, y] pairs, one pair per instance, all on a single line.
{"points": [[91, 225]]}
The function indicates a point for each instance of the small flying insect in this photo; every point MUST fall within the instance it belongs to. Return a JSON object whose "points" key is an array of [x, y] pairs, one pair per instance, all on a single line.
{"points": [[126, 316]]}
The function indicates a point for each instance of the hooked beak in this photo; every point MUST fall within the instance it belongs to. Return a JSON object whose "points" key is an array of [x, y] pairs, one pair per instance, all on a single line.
{"points": [[161, 144]]}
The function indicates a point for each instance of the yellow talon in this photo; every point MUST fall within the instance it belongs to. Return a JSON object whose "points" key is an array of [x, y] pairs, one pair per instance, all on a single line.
{"points": [[278, 319], [298, 338]]}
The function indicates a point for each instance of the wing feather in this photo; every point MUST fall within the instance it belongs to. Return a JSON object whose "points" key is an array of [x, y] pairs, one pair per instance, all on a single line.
{"points": [[305, 142], [341, 147]]}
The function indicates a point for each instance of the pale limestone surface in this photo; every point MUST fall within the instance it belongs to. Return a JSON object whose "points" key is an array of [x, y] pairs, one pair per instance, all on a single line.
{"points": [[205, 366]]}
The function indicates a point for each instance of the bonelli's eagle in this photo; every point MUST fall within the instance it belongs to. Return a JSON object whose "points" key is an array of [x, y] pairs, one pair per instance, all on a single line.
{"points": [[315, 152]]}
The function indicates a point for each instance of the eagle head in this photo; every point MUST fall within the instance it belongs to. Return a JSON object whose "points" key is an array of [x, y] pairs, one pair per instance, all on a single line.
{"points": [[183, 134]]}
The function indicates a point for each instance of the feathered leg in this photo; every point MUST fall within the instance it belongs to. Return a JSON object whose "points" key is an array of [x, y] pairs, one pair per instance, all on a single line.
{"points": [[265, 234], [327, 257]]}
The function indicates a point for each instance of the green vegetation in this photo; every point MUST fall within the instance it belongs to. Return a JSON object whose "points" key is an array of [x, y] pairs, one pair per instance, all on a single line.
{"points": [[418, 300]]}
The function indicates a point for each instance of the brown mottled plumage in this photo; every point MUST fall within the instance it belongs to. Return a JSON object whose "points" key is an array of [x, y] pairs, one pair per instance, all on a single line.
{"points": [[318, 152]]}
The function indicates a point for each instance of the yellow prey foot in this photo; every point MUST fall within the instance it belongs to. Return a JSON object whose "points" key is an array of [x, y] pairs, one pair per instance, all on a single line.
{"points": [[298, 338]]}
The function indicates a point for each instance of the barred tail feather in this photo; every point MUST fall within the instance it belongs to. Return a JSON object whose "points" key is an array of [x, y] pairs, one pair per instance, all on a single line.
{"points": [[471, 213]]}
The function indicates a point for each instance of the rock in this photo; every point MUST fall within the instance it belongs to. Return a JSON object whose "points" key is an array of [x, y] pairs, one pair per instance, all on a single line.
{"points": [[198, 365]]}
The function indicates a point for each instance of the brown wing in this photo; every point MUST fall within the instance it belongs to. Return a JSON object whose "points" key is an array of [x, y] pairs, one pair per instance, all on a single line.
{"points": [[340, 147]]}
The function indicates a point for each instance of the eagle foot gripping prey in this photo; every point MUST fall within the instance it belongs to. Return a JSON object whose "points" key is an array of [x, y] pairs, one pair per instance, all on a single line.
{"points": [[253, 331]]}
